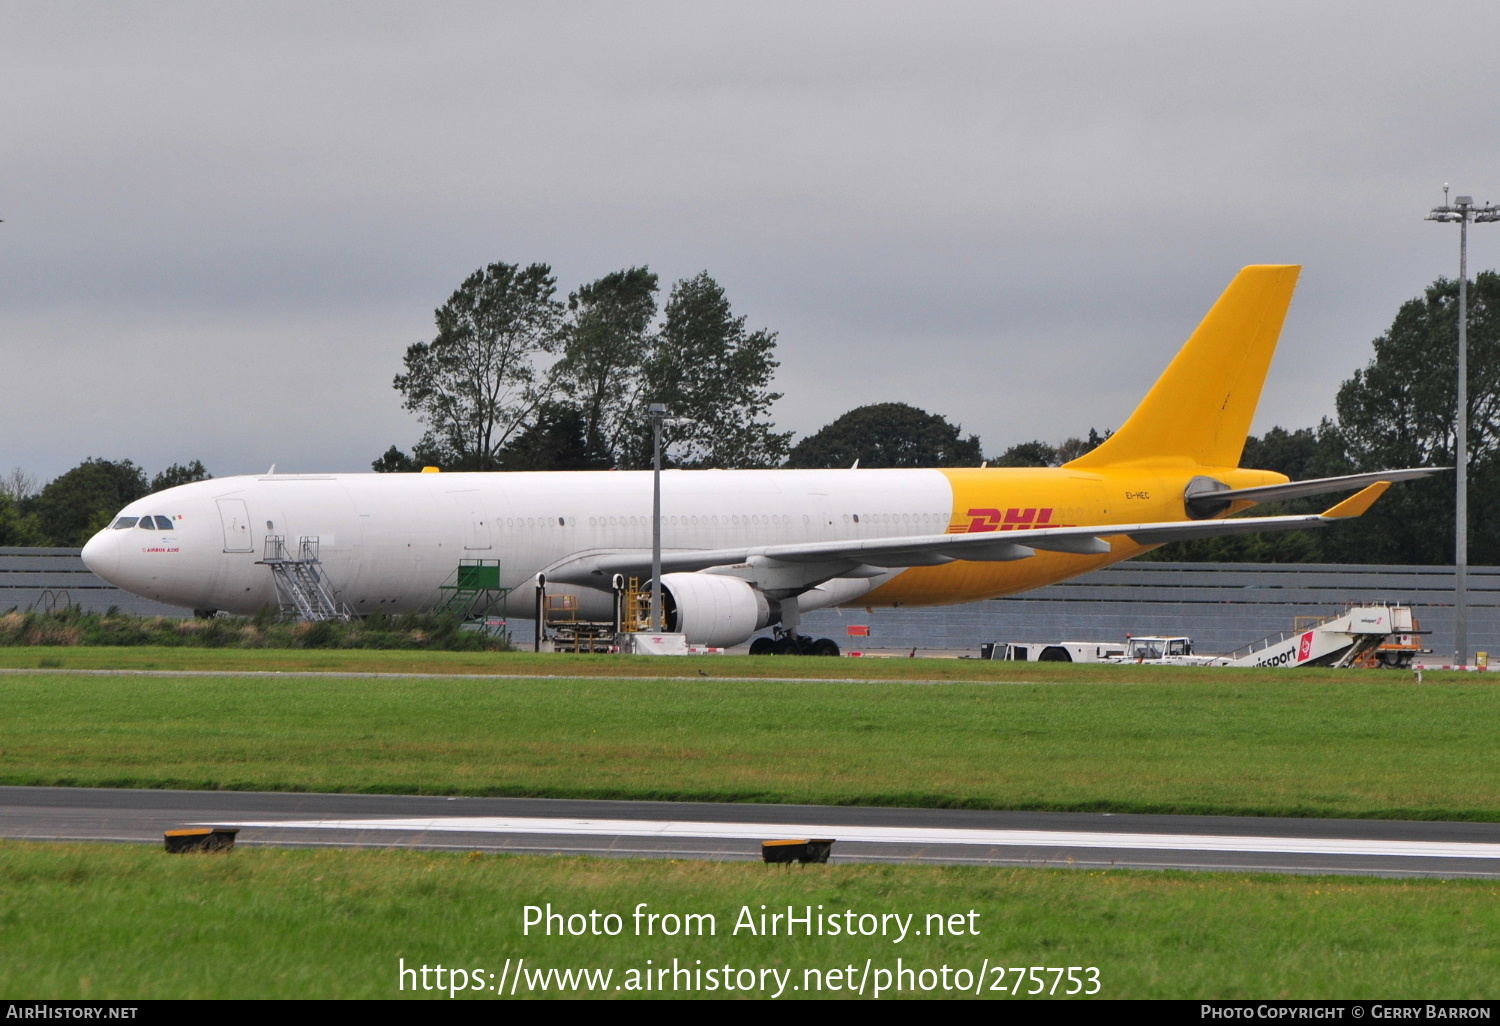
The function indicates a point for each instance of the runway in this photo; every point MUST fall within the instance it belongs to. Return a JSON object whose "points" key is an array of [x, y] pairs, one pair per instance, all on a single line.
{"points": [[719, 831]]}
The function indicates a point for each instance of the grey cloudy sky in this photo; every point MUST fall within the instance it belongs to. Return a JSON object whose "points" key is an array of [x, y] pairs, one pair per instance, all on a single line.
{"points": [[225, 222]]}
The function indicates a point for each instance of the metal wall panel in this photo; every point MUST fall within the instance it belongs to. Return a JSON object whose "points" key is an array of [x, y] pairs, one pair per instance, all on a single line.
{"points": [[1221, 605], [38, 578]]}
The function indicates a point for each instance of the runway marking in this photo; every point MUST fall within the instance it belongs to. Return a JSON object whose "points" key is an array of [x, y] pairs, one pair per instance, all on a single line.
{"points": [[893, 835]]}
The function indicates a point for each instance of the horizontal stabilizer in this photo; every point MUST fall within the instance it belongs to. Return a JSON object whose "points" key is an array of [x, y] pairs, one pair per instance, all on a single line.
{"points": [[1204, 500]]}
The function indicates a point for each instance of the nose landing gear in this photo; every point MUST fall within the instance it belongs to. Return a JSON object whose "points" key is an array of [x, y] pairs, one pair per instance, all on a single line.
{"points": [[791, 643]]}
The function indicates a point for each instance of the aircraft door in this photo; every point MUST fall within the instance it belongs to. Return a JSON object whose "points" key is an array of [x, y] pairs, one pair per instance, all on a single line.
{"points": [[477, 536], [236, 521], [466, 504]]}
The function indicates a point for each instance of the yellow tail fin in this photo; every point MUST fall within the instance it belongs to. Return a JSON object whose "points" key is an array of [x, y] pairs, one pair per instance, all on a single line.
{"points": [[1200, 409]]}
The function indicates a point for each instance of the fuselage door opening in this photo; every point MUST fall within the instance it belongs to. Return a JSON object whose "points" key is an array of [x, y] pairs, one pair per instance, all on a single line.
{"points": [[477, 537], [236, 521]]}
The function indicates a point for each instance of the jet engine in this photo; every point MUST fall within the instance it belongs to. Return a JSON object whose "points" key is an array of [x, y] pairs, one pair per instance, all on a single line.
{"points": [[712, 609]]}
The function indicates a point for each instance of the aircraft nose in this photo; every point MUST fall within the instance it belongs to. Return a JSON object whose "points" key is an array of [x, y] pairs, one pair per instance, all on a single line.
{"points": [[101, 554]]}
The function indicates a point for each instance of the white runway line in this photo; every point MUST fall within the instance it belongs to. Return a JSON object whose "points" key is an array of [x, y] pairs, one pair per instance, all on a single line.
{"points": [[895, 835]]}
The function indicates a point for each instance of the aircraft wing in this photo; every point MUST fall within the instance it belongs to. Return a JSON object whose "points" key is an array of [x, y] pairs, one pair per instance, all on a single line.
{"points": [[936, 549]]}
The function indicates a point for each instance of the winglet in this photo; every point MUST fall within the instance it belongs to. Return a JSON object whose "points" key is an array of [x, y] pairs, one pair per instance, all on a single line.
{"points": [[1357, 503]]}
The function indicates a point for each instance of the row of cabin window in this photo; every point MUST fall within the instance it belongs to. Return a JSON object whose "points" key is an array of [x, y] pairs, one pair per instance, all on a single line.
{"points": [[702, 521], [738, 521], [900, 518], [160, 523], [151, 523]]}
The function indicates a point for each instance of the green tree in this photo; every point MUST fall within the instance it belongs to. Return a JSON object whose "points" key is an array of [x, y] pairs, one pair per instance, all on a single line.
{"points": [[18, 485], [177, 474], [1027, 454], [478, 382], [423, 454], [1300, 454], [1398, 411], [18, 527], [394, 461], [83, 500], [705, 367], [1287, 452], [887, 435], [1069, 449], [600, 371], [557, 439]]}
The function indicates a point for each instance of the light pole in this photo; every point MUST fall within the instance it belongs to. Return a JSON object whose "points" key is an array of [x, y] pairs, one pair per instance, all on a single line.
{"points": [[657, 413], [1463, 211]]}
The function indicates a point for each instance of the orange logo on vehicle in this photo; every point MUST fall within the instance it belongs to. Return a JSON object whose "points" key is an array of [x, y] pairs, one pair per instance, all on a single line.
{"points": [[984, 520]]}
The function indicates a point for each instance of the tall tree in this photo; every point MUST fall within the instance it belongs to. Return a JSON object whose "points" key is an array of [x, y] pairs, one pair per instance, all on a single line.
{"points": [[705, 367], [1398, 411], [556, 439], [394, 461], [477, 383], [887, 435], [178, 474], [1292, 453], [17, 526], [76, 504], [1027, 454], [1069, 449], [1300, 454], [18, 485], [599, 374]]}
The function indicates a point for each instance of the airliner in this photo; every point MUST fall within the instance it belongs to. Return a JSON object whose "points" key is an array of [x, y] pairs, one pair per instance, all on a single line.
{"points": [[744, 551]]}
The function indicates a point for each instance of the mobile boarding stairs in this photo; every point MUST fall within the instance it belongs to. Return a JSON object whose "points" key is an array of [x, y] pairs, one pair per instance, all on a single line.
{"points": [[302, 589], [1351, 638]]}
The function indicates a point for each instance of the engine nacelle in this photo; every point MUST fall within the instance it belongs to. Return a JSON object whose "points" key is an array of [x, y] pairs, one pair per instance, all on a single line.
{"points": [[712, 609]]}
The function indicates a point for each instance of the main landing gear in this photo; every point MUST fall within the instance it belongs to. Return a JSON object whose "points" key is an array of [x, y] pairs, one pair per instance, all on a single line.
{"points": [[790, 643]]}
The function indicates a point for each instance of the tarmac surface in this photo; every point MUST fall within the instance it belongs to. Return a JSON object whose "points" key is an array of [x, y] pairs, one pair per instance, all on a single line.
{"points": [[734, 832]]}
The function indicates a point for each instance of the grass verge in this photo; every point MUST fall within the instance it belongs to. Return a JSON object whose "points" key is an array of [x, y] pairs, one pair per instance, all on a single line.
{"points": [[97, 657], [124, 922], [1279, 743], [74, 627]]}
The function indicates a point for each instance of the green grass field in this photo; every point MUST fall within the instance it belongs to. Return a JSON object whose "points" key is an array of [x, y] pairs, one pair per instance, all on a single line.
{"points": [[1331, 743], [147, 657], [120, 921], [123, 922], [553, 665]]}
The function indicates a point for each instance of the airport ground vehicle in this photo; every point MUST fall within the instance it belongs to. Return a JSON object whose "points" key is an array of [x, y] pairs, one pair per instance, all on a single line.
{"points": [[746, 551], [1053, 652], [1356, 636], [1375, 635]]}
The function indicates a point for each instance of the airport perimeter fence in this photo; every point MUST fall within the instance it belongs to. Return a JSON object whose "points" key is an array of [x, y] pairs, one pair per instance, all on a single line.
{"points": [[1222, 606], [48, 579]]}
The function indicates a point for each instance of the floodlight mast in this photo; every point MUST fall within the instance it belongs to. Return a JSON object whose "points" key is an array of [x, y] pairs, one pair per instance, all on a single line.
{"points": [[657, 414], [1462, 210]]}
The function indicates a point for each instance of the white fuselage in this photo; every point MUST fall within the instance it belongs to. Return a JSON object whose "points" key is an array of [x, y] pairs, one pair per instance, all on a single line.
{"points": [[388, 541]]}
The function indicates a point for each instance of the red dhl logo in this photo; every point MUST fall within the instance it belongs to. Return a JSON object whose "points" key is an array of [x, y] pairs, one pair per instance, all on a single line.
{"points": [[983, 520]]}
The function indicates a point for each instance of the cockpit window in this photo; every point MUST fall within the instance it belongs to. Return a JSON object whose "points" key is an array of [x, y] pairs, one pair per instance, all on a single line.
{"points": [[163, 524], [124, 522], [146, 524]]}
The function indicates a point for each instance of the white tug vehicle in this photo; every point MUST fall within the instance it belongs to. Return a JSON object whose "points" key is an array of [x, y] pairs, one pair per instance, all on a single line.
{"points": [[1359, 636]]}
